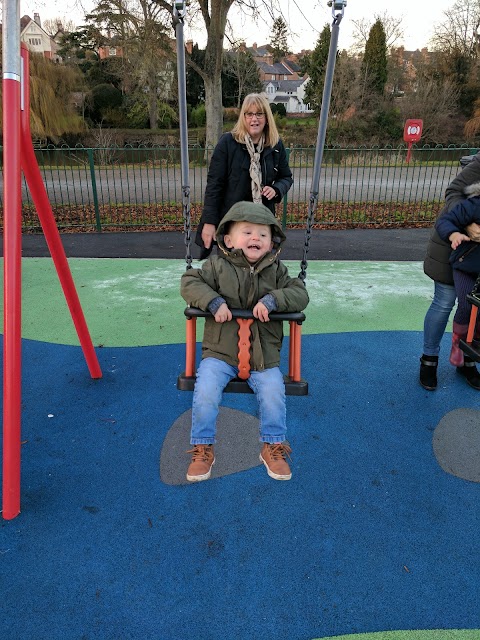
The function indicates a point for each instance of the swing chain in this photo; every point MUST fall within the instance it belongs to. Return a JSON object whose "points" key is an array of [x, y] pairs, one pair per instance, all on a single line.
{"points": [[312, 206], [187, 227]]}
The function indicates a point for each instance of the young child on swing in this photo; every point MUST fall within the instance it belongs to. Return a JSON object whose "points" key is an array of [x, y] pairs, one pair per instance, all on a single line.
{"points": [[246, 274], [465, 261]]}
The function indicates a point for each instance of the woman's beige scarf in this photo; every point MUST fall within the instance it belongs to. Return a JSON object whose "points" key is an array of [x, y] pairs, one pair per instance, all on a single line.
{"points": [[255, 168]]}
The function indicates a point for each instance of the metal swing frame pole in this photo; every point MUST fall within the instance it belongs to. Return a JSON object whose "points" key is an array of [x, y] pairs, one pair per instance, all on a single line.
{"points": [[337, 13], [191, 322], [178, 18]]}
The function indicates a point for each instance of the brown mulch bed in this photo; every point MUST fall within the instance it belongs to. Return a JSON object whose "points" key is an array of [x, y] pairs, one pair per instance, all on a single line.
{"points": [[168, 217]]}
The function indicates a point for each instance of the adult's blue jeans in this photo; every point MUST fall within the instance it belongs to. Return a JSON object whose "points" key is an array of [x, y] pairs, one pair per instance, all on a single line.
{"points": [[437, 317], [213, 375]]}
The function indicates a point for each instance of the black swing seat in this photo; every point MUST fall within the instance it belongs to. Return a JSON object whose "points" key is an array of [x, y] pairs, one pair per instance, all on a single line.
{"points": [[472, 349], [292, 387]]}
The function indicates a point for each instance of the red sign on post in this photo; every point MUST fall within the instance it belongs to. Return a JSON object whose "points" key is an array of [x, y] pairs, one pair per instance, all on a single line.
{"points": [[412, 133]]}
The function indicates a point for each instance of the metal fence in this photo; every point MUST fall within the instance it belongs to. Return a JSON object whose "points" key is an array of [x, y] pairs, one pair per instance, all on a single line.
{"points": [[96, 189]]}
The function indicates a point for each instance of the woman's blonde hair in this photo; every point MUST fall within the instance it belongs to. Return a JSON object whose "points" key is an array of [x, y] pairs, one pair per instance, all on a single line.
{"points": [[256, 102]]}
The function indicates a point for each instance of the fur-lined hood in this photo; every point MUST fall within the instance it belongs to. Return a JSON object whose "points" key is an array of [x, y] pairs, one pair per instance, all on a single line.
{"points": [[472, 190]]}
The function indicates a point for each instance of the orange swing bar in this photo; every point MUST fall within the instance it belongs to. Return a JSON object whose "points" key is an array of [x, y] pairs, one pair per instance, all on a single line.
{"points": [[294, 385]]}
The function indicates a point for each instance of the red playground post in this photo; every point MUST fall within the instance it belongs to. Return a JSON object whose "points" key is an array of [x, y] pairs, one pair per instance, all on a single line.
{"points": [[18, 154], [12, 252], [44, 210]]}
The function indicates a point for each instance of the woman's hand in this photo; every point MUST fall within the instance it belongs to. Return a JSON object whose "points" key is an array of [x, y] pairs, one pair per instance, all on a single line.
{"points": [[269, 193], [208, 235], [473, 231]]}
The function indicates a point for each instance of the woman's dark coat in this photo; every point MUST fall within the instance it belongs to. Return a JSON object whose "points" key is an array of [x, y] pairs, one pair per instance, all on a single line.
{"points": [[436, 264], [229, 180]]}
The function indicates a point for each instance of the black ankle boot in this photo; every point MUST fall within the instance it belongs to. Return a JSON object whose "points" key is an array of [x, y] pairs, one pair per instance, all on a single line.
{"points": [[470, 373], [428, 372]]}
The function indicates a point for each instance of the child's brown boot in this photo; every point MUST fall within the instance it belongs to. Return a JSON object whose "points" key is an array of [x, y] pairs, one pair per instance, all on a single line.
{"points": [[273, 457], [203, 459]]}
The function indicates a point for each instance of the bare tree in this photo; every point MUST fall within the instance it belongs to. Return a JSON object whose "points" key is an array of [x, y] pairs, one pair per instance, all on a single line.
{"points": [[456, 47], [346, 88], [214, 14], [54, 25], [434, 102], [472, 126], [459, 32], [393, 27], [240, 66]]}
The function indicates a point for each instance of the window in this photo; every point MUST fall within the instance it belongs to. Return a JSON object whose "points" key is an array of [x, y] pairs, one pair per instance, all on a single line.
{"points": [[35, 41], [112, 51]]}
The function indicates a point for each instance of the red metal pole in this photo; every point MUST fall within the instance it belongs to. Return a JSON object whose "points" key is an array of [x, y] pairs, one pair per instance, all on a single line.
{"points": [[190, 346], [291, 350], [40, 198], [12, 251], [409, 152], [297, 373], [472, 323]]}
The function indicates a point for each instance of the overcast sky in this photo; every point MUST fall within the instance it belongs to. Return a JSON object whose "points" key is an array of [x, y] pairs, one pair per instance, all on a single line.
{"points": [[306, 19]]}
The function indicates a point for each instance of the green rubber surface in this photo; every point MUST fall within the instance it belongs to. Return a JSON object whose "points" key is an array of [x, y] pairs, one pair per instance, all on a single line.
{"points": [[434, 634], [136, 302]]}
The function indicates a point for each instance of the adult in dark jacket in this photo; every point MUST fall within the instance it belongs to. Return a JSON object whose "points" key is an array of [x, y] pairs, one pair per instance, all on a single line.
{"points": [[248, 164], [437, 266]]}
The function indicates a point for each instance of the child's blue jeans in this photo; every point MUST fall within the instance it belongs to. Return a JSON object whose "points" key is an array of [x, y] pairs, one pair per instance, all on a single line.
{"points": [[213, 375]]}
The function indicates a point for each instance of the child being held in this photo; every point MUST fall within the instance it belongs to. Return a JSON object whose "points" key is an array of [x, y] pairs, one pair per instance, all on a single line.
{"points": [[245, 274], [465, 261]]}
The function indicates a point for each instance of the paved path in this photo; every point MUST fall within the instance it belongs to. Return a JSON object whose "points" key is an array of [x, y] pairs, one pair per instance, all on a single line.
{"points": [[350, 244]]}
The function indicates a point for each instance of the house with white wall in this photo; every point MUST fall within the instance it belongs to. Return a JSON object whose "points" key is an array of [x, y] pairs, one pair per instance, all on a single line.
{"points": [[290, 93], [282, 81], [37, 39]]}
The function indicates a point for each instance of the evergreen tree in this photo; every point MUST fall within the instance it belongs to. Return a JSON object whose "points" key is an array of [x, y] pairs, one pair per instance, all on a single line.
{"points": [[315, 65], [375, 67], [195, 86], [279, 40]]}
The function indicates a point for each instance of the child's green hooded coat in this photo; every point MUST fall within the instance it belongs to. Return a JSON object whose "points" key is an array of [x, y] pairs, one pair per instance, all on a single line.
{"points": [[242, 285]]}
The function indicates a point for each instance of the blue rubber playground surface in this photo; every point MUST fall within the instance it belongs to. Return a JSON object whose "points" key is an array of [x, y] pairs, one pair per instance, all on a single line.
{"points": [[374, 538]]}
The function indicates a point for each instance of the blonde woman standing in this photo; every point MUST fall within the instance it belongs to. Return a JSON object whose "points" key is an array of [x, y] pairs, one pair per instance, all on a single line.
{"points": [[248, 164]]}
